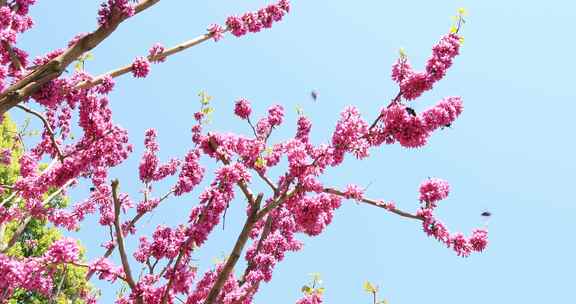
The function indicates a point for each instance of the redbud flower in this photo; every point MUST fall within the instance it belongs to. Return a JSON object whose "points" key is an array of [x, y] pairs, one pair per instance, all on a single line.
{"points": [[434, 190], [275, 115], [140, 67], [155, 51], [215, 31], [353, 192], [236, 26], [479, 240], [242, 108]]}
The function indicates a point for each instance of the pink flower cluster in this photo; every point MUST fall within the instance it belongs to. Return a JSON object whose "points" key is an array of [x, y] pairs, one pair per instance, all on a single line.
{"points": [[150, 170], [242, 108], [411, 130], [140, 67], [413, 83], [216, 32], [114, 8], [190, 175], [432, 191], [156, 50], [350, 135], [313, 298], [255, 21], [14, 20], [354, 192], [165, 243]]}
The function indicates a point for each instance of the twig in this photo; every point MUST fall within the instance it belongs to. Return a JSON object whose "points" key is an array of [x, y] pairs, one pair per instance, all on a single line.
{"points": [[26, 221], [128, 68], [236, 251], [377, 204], [120, 239], [47, 128], [133, 222]]}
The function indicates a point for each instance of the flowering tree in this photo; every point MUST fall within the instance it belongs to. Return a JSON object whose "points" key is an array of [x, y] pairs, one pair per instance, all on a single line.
{"points": [[33, 239], [296, 202]]}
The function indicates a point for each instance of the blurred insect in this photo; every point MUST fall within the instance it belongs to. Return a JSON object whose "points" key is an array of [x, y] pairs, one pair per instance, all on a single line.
{"points": [[410, 111], [314, 95], [486, 214], [92, 189]]}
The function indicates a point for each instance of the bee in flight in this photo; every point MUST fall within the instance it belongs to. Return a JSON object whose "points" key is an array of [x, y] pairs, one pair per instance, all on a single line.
{"points": [[314, 95]]}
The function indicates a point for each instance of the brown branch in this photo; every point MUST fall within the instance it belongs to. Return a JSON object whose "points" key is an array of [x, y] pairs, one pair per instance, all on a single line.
{"points": [[263, 237], [377, 204], [236, 251], [120, 238], [128, 68], [46, 127], [13, 57], [55, 67]]}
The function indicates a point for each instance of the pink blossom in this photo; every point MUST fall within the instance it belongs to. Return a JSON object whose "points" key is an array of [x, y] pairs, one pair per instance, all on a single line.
{"points": [[242, 108], [191, 174], [275, 115], [433, 190], [479, 240], [107, 9], [64, 250], [155, 51], [460, 244], [140, 67], [353, 192], [216, 32], [313, 298]]}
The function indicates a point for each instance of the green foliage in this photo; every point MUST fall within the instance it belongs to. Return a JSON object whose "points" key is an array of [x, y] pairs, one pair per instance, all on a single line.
{"points": [[69, 281]]}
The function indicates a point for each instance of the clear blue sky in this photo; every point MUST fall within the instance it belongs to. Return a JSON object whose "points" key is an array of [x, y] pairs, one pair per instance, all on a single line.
{"points": [[511, 152]]}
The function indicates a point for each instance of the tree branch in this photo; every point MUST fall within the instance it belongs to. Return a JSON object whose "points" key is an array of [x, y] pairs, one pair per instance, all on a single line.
{"points": [[377, 204], [46, 127], [128, 68], [55, 67], [120, 238], [236, 251]]}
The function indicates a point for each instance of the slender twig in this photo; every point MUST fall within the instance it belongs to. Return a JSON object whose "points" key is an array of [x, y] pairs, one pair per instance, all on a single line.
{"points": [[236, 251], [47, 127], [263, 237], [8, 199], [241, 183], [120, 238], [27, 220], [13, 57], [133, 222], [377, 204], [128, 68], [55, 297]]}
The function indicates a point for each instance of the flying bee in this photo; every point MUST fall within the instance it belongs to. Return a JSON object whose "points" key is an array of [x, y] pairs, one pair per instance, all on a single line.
{"points": [[486, 214], [314, 95]]}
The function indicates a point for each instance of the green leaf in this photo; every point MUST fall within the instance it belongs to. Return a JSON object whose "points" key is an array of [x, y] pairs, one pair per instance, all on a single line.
{"points": [[307, 289], [320, 290], [368, 287]]}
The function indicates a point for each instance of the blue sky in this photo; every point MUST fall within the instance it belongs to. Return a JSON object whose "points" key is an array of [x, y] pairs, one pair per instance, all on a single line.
{"points": [[511, 152]]}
